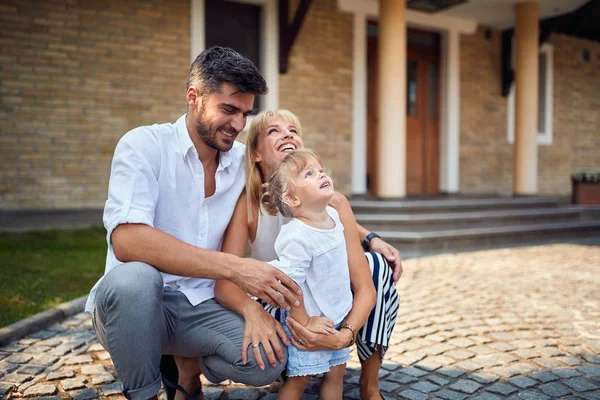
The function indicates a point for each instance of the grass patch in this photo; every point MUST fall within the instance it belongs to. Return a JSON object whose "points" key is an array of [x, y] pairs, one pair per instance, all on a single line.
{"points": [[40, 270]]}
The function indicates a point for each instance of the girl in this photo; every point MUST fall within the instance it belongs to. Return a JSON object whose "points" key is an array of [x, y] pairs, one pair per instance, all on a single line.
{"points": [[312, 250]]}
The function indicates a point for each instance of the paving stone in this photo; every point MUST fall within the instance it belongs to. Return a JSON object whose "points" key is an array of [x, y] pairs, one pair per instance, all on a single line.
{"points": [[24, 386], [6, 388], [554, 389], [593, 358], [13, 348], [61, 373], [390, 367], [75, 360], [502, 388], [38, 349], [30, 370], [590, 369], [549, 363], [450, 395], [487, 361], [569, 360], [482, 350], [523, 344], [93, 369], [103, 355], [580, 384], [44, 360], [242, 394], [566, 373], [466, 386], [502, 346], [468, 366], [16, 378], [85, 394], [527, 353], [412, 371], [401, 379], [523, 382], [443, 360], [101, 379], [428, 365], [388, 386], [213, 393], [413, 395], [73, 383], [18, 358], [95, 347], [503, 336], [438, 349], [7, 368], [40, 390], [529, 395], [437, 379], [551, 351], [382, 373], [353, 380], [451, 372], [589, 395], [544, 376], [485, 396], [460, 354], [425, 387], [3, 355], [53, 342], [410, 358]]}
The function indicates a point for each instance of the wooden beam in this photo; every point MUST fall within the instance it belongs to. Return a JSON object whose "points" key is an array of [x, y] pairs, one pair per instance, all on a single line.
{"points": [[289, 32]]}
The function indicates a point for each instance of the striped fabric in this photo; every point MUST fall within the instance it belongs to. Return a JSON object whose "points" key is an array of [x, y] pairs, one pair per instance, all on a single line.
{"points": [[378, 329]]}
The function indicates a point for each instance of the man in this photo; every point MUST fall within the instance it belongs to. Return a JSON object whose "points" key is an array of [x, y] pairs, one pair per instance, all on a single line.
{"points": [[172, 191]]}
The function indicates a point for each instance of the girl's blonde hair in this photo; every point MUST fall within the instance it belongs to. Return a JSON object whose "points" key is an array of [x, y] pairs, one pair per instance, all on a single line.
{"points": [[254, 178], [281, 177]]}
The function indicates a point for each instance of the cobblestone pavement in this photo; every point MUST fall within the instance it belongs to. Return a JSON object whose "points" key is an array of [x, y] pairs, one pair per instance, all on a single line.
{"points": [[513, 323]]}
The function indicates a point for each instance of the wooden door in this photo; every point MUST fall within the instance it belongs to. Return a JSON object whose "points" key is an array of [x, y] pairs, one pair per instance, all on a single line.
{"points": [[422, 112]]}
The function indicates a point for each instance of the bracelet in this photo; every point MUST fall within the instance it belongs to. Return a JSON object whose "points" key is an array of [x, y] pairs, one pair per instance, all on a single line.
{"points": [[367, 240], [353, 330]]}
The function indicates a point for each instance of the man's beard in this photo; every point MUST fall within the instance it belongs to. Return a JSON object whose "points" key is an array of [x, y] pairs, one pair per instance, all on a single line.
{"points": [[208, 134]]}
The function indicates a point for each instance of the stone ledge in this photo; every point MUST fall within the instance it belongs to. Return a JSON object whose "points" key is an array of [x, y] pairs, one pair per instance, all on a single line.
{"points": [[41, 320]]}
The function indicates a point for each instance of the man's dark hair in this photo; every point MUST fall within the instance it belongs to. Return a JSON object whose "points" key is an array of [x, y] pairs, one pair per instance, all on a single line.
{"points": [[217, 65]]}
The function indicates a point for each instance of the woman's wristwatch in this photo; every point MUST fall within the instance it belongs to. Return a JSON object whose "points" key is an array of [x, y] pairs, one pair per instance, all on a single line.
{"points": [[353, 330], [367, 240]]}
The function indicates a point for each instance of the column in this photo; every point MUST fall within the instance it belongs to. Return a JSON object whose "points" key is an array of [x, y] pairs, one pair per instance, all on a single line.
{"points": [[359, 105], [526, 98], [392, 99]]}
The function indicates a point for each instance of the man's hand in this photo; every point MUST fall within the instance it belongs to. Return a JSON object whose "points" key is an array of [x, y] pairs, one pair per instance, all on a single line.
{"points": [[304, 339], [390, 253], [260, 328], [321, 325], [266, 282]]}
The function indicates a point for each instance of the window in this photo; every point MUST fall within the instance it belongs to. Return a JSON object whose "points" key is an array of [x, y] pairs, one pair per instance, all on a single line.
{"points": [[545, 98], [249, 27]]}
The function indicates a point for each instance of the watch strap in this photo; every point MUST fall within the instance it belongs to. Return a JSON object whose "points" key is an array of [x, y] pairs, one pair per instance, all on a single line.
{"points": [[367, 240]]}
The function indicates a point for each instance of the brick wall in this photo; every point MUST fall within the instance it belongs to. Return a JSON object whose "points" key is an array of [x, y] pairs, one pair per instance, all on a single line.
{"points": [[576, 135], [74, 77], [485, 155], [318, 87]]}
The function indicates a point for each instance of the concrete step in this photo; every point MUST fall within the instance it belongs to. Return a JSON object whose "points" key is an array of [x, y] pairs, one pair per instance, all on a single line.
{"points": [[451, 205], [467, 219], [452, 240]]}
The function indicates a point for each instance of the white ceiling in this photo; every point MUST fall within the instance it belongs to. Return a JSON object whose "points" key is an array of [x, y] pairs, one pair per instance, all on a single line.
{"points": [[500, 13]]}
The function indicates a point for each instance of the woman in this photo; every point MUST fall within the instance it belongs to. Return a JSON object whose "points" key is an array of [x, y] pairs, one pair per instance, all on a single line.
{"points": [[272, 134]]}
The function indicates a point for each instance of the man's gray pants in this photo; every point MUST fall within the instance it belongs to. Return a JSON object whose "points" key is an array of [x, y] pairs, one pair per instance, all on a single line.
{"points": [[137, 319]]}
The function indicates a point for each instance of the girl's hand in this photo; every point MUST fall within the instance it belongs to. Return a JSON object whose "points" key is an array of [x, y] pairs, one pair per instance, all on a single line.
{"points": [[304, 339], [321, 325], [261, 328]]}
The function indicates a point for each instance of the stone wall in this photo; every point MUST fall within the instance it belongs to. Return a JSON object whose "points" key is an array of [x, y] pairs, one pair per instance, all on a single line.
{"points": [[74, 77], [318, 87]]}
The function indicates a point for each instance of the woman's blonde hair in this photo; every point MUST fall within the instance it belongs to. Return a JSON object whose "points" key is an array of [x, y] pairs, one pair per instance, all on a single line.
{"points": [[273, 192], [254, 178]]}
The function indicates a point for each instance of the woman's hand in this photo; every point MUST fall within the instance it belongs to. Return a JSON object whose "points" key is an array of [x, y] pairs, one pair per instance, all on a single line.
{"points": [[390, 253], [321, 325], [304, 339], [261, 328]]}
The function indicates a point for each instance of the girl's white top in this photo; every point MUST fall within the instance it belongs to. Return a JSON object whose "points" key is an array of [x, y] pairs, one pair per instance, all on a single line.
{"points": [[317, 260]]}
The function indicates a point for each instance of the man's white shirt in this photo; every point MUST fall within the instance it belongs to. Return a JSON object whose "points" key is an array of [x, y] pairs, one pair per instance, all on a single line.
{"points": [[157, 179]]}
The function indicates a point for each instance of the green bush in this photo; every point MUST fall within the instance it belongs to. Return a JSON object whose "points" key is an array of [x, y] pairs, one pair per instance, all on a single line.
{"points": [[592, 175]]}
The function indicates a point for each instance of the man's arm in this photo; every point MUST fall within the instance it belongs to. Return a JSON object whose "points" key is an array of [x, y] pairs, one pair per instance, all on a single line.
{"points": [[139, 242]]}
